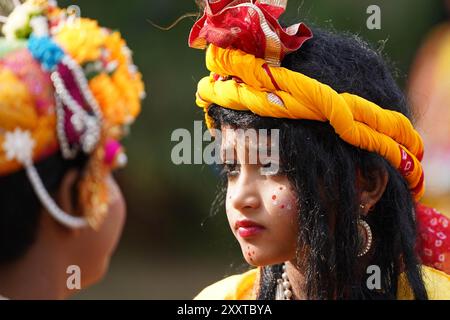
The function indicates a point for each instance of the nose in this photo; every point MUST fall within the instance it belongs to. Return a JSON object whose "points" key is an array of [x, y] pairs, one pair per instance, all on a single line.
{"points": [[244, 193]]}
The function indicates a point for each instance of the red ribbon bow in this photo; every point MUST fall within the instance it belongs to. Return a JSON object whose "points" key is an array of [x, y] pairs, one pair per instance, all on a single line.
{"points": [[249, 25]]}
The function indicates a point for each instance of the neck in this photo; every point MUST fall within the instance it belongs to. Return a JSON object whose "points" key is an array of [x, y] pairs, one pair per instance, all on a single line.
{"points": [[39, 275], [297, 280]]}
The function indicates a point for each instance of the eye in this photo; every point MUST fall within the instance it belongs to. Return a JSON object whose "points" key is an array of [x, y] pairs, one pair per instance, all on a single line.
{"points": [[231, 169]]}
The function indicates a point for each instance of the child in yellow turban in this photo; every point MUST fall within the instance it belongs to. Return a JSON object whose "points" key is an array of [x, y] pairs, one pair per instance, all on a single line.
{"points": [[68, 93], [334, 216]]}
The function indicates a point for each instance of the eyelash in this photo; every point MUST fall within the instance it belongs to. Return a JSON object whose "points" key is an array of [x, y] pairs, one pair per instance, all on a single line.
{"points": [[232, 170]]}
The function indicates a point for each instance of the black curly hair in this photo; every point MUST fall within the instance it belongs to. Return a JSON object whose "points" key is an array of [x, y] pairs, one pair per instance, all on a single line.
{"points": [[324, 180]]}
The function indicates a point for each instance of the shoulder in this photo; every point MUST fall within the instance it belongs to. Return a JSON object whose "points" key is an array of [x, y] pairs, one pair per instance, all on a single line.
{"points": [[437, 284], [237, 287]]}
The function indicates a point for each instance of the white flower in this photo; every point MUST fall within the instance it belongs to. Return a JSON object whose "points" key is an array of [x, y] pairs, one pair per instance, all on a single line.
{"points": [[40, 26], [19, 146], [20, 19]]}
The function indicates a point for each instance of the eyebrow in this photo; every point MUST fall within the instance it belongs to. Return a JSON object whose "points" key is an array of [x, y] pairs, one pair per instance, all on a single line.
{"points": [[229, 155]]}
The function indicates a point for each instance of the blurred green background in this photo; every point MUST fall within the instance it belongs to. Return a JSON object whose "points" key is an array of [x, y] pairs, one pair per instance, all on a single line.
{"points": [[172, 247]]}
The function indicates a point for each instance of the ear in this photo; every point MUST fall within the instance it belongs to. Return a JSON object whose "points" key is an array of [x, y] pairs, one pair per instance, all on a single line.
{"points": [[67, 189], [372, 188]]}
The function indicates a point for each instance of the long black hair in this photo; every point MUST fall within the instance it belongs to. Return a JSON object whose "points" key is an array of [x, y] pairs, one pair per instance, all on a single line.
{"points": [[323, 168]]}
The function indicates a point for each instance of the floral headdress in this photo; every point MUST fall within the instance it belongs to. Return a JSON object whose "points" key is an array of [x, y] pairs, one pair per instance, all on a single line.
{"points": [[68, 85]]}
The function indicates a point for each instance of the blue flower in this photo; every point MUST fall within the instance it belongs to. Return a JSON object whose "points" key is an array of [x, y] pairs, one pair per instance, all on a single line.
{"points": [[46, 51]]}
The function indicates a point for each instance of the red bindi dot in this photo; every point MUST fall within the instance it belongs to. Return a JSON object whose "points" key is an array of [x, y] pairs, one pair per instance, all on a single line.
{"points": [[274, 197], [282, 206]]}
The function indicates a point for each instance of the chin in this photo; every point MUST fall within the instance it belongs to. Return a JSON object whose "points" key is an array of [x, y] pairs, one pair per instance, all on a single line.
{"points": [[260, 261], [253, 263]]}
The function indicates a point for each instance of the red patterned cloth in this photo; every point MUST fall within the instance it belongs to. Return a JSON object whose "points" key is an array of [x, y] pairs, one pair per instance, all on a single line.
{"points": [[249, 25], [434, 238]]}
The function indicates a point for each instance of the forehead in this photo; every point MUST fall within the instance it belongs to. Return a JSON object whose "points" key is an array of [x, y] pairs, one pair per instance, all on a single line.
{"points": [[249, 146], [233, 138]]}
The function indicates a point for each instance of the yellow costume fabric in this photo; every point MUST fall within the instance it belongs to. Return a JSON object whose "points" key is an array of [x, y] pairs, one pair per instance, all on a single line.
{"points": [[242, 287], [242, 82]]}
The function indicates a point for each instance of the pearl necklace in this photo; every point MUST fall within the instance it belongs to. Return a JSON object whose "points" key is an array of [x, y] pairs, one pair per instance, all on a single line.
{"points": [[284, 288]]}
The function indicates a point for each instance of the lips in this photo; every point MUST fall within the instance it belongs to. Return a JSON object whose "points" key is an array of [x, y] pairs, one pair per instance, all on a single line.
{"points": [[247, 228]]}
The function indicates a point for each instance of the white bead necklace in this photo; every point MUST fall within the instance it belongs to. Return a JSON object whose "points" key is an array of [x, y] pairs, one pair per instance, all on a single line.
{"points": [[284, 288]]}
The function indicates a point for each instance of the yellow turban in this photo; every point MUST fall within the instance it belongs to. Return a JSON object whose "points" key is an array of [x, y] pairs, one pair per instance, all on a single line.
{"points": [[242, 82]]}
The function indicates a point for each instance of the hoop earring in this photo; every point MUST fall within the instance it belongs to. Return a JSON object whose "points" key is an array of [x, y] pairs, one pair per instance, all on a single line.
{"points": [[368, 231]]}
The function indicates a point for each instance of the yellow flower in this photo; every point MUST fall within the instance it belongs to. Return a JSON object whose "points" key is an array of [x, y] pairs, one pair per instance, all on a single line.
{"points": [[16, 104], [82, 39]]}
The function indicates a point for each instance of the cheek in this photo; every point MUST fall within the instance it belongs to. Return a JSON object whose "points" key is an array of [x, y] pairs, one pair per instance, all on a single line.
{"points": [[99, 245], [111, 229], [228, 206], [281, 200], [117, 211], [228, 199]]}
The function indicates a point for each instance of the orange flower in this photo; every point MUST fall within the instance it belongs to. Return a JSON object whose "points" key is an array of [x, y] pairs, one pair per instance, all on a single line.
{"points": [[131, 88], [118, 96], [116, 47]]}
